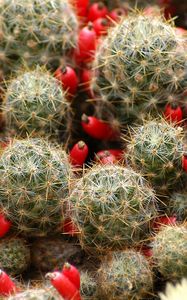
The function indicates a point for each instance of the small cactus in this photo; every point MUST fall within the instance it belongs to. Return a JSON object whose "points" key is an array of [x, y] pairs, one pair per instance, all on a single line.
{"points": [[156, 148], [34, 178], [170, 252], [37, 32], [112, 207], [34, 103], [126, 275], [177, 205], [140, 66], [89, 286], [51, 253], [14, 255]]}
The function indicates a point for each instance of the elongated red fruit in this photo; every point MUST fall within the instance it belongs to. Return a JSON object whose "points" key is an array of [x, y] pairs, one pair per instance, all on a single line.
{"points": [[105, 158], [4, 225], [64, 286], [68, 78], [117, 13], [101, 26], [118, 153], [96, 11], [79, 153], [98, 129], [164, 220], [7, 286], [86, 77], [173, 112], [184, 162], [72, 274], [87, 41], [81, 7]]}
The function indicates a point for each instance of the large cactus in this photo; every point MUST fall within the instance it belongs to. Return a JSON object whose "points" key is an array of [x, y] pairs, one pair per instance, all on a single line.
{"points": [[34, 103], [112, 207], [140, 66], [34, 178], [39, 31]]}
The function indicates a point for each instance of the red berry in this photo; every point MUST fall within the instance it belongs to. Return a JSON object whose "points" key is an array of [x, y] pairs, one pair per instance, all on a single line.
{"points": [[86, 77], [69, 227], [87, 41], [4, 225], [101, 26], [81, 7], [117, 13], [184, 162], [79, 153], [98, 129], [173, 113], [64, 286], [165, 220], [180, 31], [7, 286], [106, 158], [72, 274], [96, 11], [67, 76]]}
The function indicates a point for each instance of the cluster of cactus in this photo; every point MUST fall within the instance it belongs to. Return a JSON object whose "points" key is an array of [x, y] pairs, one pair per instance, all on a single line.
{"points": [[51, 253], [34, 104], [34, 178], [156, 148], [170, 252], [127, 275], [47, 28], [112, 207], [140, 66], [14, 255]]}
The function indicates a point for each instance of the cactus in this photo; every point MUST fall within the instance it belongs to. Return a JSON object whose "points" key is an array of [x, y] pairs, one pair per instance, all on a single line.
{"points": [[156, 148], [126, 275], [37, 294], [34, 103], [111, 206], [48, 254], [177, 205], [34, 178], [175, 292], [38, 32], [140, 66], [89, 286], [14, 255], [170, 252]]}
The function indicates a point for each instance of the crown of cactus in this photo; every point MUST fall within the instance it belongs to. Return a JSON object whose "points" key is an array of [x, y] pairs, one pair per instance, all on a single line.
{"points": [[111, 207], [156, 148], [89, 286], [14, 255], [34, 179], [48, 254], [34, 103], [140, 66], [126, 275], [170, 252], [175, 292], [37, 294], [178, 205], [39, 31]]}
